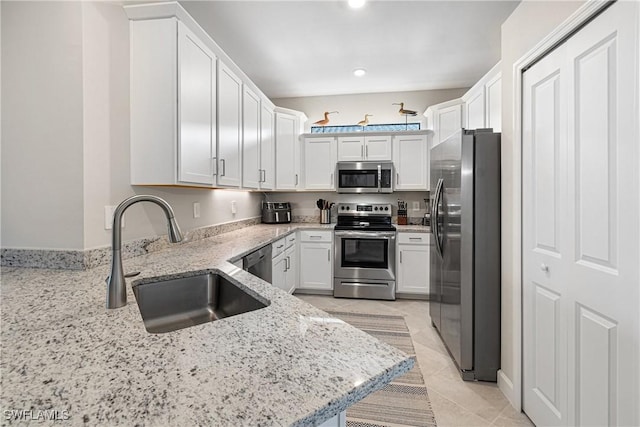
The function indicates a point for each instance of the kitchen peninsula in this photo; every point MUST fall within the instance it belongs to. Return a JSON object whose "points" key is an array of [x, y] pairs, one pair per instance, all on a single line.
{"points": [[286, 364]]}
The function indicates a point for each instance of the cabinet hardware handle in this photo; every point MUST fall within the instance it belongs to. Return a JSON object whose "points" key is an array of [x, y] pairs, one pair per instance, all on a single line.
{"points": [[285, 265], [279, 246], [264, 175], [415, 238], [544, 267], [315, 237], [296, 180], [288, 261], [215, 165], [397, 178], [329, 255], [224, 167], [400, 257]]}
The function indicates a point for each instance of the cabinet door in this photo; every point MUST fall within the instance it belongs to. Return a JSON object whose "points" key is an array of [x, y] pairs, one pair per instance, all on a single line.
{"points": [[448, 121], [316, 261], [350, 148], [229, 127], [197, 103], [377, 148], [279, 271], [267, 149], [411, 162], [413, 269], [475, 110], [250, 138], [320, 159], [287, 163], [292, 269], [493, 90]]}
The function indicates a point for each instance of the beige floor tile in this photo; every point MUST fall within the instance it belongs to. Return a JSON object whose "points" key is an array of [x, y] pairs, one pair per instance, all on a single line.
{"points": [[450, 414], [455, 402]]}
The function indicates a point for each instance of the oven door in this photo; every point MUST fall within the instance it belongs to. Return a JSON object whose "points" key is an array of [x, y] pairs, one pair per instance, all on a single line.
{"points": [[365, 255]]}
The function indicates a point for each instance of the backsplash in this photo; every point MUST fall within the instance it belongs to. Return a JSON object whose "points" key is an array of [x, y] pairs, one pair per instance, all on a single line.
{"points": [[80, 260]]}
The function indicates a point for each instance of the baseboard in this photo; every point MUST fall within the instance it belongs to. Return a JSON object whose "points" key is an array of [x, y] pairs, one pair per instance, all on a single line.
{"points": [[314, 292], [506, 387], [403, 295]]}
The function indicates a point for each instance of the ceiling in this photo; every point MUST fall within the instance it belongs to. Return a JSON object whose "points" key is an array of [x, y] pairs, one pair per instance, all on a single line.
{"points": [[309, 48]]}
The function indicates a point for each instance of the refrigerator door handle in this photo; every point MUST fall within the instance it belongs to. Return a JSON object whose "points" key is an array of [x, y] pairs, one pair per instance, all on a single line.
{"points": [[434, 223]]}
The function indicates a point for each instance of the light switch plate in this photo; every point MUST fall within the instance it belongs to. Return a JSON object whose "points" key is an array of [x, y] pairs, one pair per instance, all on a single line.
{"points": [[416, 206]]}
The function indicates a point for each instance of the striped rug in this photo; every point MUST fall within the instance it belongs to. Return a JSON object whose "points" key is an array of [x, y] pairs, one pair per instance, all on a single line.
{"points": [[403, 402]]}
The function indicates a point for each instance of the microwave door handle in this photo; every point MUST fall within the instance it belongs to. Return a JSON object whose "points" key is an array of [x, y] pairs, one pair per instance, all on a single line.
{"points": [[379, 177]]}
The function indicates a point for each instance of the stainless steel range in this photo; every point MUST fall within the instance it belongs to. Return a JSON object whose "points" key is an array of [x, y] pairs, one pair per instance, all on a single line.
{"points": [[365, 248]]}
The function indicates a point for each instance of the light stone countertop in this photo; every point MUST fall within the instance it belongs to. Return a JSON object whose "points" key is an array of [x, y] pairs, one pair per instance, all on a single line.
{"points": [[286, 364]]}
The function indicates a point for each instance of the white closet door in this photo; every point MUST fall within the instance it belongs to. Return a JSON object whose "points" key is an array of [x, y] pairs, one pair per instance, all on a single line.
{"points": [[544, 246], [588, 294]]}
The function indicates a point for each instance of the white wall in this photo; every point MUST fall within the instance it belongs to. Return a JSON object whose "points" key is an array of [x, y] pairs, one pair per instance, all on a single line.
{"points": [[526, 27], [352, 108], [42, 182], [66, 140]]}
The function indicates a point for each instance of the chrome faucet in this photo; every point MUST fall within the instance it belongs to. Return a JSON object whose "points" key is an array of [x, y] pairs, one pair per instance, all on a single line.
{"points": [[116, 284]]}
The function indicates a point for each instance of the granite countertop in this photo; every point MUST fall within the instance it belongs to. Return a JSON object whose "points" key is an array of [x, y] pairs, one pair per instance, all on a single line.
{"points": [[286, 364], [413, 228]]}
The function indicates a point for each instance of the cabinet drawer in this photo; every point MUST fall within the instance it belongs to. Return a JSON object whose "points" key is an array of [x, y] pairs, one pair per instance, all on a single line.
{"points": [[291, 240], [414, 238], [277, 247], [316, 236]]}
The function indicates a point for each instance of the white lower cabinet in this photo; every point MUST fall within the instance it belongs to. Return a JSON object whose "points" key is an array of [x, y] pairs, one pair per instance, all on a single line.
{"points": [[316, 260], [413, 263], [284, 264]]}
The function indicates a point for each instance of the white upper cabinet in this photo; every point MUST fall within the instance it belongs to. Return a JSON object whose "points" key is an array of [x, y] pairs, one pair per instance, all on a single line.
{"points": [[251, 171], [288, 130], [229, 127], [493, 109], [364, 148], [474, 109], [267, 147], [411, 162], [449, 120], [320, 157], [172, 143]]}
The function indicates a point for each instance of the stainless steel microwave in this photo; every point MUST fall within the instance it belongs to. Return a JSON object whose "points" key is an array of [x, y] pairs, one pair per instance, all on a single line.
{"points": [[364, 177]]}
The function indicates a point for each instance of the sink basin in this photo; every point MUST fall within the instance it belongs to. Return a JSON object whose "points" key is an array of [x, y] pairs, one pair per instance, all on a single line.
{"points": [[170, 304]]}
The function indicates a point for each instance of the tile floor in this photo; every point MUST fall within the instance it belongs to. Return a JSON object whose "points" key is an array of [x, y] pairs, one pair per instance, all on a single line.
{"points": [[455, 402]]}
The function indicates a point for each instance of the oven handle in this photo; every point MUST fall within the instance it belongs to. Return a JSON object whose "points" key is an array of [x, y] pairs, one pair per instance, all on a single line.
{"points": [[365, 234]]}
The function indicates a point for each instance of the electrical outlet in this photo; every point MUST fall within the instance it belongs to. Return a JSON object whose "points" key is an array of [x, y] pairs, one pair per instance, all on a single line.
{"points": [[416, 206], [196, 209], [234, 208], [108, 217]]}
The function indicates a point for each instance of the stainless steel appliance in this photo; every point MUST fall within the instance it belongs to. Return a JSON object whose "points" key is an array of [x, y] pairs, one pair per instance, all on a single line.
{"points": [[365, 252], [276, 212], [259, 264], [465, 257], [364, 177]]}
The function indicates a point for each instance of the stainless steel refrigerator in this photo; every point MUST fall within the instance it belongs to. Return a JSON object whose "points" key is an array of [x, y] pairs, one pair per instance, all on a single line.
{"points": [[464, 287]]}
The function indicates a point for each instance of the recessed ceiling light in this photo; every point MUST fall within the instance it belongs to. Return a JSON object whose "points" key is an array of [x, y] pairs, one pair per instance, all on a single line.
{"points": [[356, 3], [359, 72]]}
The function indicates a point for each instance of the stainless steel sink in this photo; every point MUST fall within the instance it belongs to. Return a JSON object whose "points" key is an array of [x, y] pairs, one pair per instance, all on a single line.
{"points": [[169, 305]]}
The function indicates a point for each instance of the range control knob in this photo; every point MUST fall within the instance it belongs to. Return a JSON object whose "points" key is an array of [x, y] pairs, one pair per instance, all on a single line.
{"points": [[348, 208], [386, 208], [375, 209]]}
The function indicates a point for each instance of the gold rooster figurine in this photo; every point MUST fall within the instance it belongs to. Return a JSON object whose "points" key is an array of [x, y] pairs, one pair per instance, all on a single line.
{"points": [[324, 121], [365, 122], [404, 112]]}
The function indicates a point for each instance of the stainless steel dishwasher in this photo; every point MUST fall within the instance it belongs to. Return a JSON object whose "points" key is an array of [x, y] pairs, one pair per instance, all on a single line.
{"points": [[258, 263]]}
